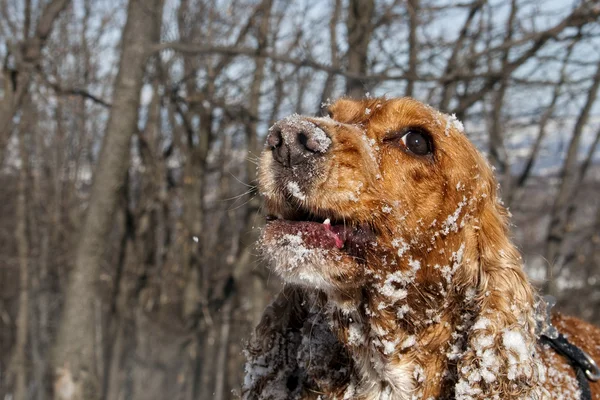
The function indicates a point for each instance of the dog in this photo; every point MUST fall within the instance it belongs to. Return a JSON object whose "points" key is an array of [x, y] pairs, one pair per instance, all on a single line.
{"points": [[401, 281]]}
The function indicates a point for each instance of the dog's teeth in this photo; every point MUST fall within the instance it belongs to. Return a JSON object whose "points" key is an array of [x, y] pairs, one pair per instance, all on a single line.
{"points": [[327, 222]]}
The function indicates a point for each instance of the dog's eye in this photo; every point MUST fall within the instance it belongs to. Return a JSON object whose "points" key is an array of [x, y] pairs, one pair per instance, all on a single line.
{"points": [[417, 142]]}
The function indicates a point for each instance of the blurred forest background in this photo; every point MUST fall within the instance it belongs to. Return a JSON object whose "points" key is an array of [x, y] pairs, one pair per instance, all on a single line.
{"points": [[129, 134]]}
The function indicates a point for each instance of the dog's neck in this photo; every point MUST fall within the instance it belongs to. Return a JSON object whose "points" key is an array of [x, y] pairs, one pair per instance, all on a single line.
{"points": [[400, 347]]}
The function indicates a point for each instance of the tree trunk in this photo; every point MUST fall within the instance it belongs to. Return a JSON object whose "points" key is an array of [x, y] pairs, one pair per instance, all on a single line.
{"points": [[221, 362], [74, 355], [27, 56], [328, 87], [498, 154], [413, 45], [246, 257], [360, 29], [19, 361], [251, 285]]}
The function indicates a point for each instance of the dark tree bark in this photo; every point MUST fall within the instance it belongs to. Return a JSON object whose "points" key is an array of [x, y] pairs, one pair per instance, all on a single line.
{"points": [[27, 56], [74, 352], [360, 29], [327, 92], [20, 362], [498, 153], [413, 45], [251, 286], [247, 258]]}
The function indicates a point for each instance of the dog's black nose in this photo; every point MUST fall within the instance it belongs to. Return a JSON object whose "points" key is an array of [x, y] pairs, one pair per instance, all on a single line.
{"points": [[294, 140]]}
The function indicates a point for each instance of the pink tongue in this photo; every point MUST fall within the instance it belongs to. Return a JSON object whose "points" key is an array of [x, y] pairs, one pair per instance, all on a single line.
{"points": [[339, 243]]}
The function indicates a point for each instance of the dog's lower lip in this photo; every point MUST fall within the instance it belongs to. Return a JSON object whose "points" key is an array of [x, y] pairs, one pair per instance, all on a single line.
{"points": [[315, 234], [351, 238]]}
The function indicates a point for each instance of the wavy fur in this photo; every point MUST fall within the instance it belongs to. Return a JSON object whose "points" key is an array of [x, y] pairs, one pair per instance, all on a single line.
{"points": [[428, 298]]}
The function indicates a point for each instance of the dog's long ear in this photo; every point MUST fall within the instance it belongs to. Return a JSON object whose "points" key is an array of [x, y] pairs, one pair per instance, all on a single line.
{"points": [[271, 353], [503, 290], [500, 357]]}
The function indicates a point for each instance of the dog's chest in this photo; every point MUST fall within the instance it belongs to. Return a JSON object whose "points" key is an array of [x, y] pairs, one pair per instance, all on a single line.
{"points": [[386, 382], [375, 375]]}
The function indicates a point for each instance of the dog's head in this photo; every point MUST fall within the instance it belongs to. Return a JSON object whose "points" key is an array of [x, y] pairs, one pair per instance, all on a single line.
{"points": [[376, 182]]}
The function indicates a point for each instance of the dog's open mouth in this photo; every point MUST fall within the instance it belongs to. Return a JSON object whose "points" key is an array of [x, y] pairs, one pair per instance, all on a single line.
{"points": [[324, 233]]}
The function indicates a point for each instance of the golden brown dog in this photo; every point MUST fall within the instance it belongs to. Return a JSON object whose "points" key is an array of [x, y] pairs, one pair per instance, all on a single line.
{"points": [[401, 281]]}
